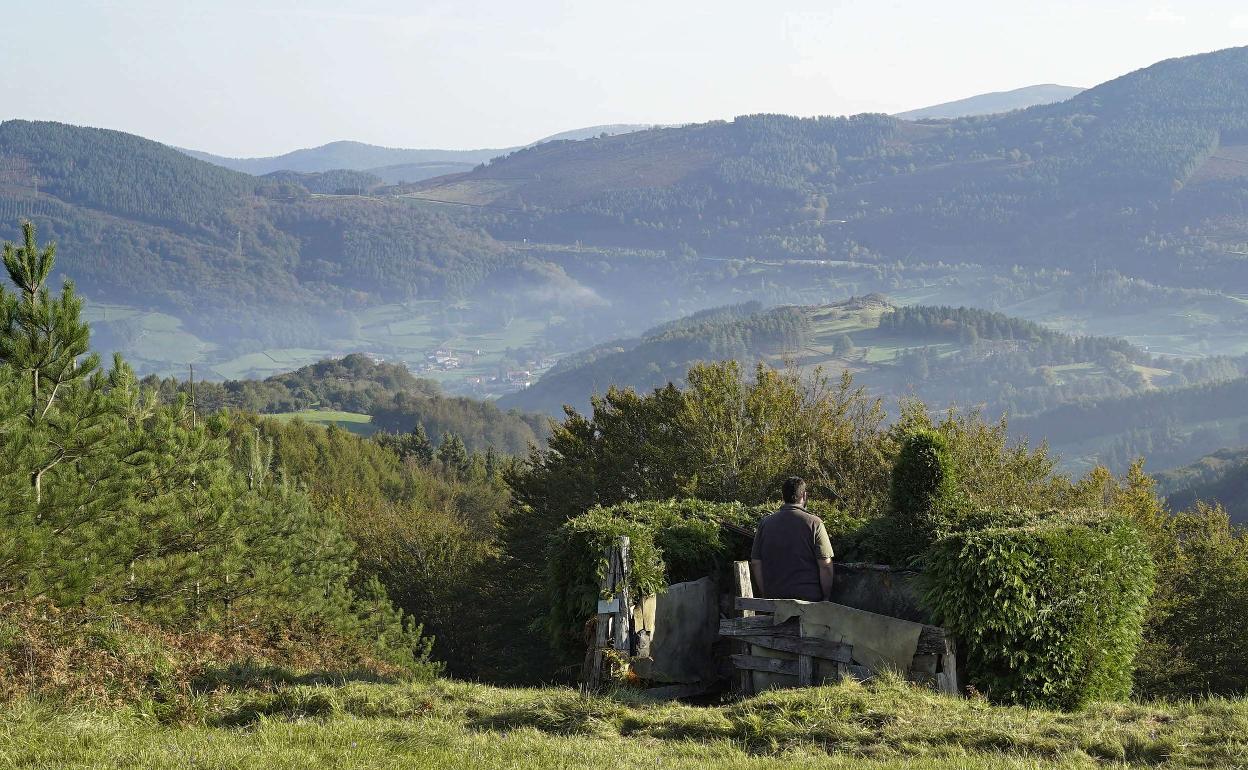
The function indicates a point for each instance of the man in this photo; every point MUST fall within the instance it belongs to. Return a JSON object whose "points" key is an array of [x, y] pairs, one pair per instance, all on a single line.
{"points": [[792, 556]]}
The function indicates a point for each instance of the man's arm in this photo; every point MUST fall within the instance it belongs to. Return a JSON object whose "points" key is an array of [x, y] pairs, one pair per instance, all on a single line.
{"points": [[756, 569], [825, 578], [823, 557]]}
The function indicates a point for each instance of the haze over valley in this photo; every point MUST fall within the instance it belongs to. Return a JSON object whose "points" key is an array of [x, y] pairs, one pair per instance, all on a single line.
{"points": [[1114, 212]]}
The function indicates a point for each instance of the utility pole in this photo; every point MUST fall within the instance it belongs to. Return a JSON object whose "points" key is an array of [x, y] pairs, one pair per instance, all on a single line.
{"points": [[194, 410]]}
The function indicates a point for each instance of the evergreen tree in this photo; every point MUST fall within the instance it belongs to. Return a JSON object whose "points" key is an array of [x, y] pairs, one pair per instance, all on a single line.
{"points": [[113, 499], [454, 455]]}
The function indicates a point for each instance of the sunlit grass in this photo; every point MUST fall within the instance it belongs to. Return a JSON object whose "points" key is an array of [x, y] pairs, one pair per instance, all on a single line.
{"points": [[449, 724]]}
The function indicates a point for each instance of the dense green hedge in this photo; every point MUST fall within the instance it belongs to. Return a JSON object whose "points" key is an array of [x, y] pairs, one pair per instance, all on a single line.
{"points": [[1050, 613], [670, 541], [923, 495]]}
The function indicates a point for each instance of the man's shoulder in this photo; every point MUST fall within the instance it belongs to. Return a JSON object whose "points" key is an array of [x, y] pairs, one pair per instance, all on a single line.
{"points": [[798, 513], [808, 517]]}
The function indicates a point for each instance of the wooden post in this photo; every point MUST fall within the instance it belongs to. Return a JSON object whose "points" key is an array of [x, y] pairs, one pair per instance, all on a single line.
{"points": [[622, 623], [805, 665], [947, 679], [745, 588], [602, 632], [614, 621]]}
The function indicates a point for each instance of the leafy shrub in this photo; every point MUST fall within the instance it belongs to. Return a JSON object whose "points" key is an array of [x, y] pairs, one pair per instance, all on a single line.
{"points": [[1050, 612], [81, 656], [1195, 633], [923, 494]]}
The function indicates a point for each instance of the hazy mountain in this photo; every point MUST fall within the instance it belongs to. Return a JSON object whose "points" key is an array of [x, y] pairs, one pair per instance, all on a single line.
{"points": [[1219, 478], [142, 224], [388, 162], [995, 102], [561, 245], [942, 354], [355, 156], [402, 173], [1145, 174]]}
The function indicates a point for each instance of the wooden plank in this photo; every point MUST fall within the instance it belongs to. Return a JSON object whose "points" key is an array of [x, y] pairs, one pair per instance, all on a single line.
{"points": [[745, 589], [933, 640], [594, 662], [816, 648], [805, 663], [757, 624], [757, 605], [805, 671], [745, 584], [770, 665]]}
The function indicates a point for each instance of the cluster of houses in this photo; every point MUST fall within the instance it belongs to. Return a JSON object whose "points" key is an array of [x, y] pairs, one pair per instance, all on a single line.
{"points": [[511, 380], [445, 359]]}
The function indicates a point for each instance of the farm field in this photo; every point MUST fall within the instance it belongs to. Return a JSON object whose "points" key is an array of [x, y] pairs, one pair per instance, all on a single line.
{"points": [[1193, 327], [352, 421], [455, 725], [156, 343]]}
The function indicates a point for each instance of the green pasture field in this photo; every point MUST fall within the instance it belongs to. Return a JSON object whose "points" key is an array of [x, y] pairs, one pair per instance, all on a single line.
{"points": [[352, 421], [445, 724], [267, 363], [161, 344]]}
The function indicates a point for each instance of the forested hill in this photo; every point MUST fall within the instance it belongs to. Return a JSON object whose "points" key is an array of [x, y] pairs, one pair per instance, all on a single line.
{"points": [[995, 102], [1169, 427], [388, 394], [1147, 174], [1220, 478], [234, 257], [944, 355], [359, 156]]}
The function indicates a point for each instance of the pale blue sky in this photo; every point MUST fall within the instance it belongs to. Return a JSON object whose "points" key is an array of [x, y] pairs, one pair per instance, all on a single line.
{"points": [[258, 77]]}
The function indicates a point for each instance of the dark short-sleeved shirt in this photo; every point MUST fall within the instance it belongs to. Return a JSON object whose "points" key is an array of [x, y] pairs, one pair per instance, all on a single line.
{"points": [[788, 543]]}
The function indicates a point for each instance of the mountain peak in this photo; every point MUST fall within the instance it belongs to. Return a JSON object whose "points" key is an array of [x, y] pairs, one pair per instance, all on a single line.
{"points": [[995, 102]]}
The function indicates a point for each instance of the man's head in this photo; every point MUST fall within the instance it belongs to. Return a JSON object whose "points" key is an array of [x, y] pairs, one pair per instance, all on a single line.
{"points": [[794, 491]]}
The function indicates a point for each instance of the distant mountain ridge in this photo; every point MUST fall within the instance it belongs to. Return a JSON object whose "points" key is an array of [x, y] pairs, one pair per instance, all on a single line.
{"points": [[994, 102], [1097, 178], [385, 162]]}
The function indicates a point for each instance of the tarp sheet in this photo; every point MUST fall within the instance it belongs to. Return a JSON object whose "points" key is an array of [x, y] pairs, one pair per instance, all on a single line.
{"points": [[879, 642], [683, 622]]}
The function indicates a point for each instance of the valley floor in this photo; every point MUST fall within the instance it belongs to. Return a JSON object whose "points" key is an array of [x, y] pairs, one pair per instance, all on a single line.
{"points": [[456, 725]]}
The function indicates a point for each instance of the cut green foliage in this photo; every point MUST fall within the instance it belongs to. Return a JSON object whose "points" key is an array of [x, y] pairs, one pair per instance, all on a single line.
{"points": [[1050, 613], [923, 494]]}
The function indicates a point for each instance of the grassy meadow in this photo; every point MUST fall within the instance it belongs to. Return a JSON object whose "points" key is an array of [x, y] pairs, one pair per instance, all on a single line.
{"points": [[447, 724], [157, 342], [352, 421]]}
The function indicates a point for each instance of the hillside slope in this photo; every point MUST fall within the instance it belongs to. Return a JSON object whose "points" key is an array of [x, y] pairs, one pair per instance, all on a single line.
{"points": [[388, 395], [354, 156], [1220, 478], [360, 156], [139, 222], [943, 355], [1142, 174], [993, 103]]}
